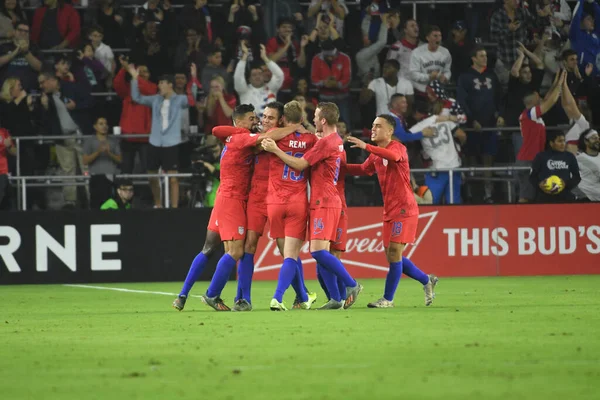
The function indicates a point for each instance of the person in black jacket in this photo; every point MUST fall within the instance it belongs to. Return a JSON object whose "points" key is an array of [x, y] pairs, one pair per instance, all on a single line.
{"points": [[555, 161]]}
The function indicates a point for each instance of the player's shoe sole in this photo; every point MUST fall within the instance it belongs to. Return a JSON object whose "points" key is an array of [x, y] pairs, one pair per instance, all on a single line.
{"points": [[215, 302], [381, 303], [351, 295], [332, 305], [179, 303], [242, 305], [277, 306], [429, 289]]}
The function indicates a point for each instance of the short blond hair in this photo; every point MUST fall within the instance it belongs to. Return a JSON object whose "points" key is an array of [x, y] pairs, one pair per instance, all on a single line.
{"points": [[292, 112], [329, 112], [7, 87]]}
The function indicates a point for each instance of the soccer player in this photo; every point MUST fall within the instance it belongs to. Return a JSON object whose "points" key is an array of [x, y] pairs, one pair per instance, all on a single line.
{"points": [[325, 205], [400, 211], [287, 208], [228, 218]]}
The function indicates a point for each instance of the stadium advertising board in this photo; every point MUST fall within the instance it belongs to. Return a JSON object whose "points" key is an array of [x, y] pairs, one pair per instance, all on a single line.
{"points": [[470, 241]]}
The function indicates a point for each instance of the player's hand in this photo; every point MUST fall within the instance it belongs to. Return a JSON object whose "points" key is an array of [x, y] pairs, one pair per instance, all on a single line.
{"points": [[428, 132], [269, 145], [356, 142]]}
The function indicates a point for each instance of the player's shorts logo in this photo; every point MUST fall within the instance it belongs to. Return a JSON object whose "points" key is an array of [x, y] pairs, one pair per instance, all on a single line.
{"points": [[317, 226], [396, 228], [338, 235], [241, 230]]}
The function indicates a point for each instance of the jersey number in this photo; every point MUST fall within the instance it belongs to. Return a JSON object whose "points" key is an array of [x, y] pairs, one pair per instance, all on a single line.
{"points": [[442, 136], [336, 174], [292, 175]]}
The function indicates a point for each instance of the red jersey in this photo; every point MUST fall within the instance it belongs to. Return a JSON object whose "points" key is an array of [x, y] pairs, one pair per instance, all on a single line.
{"points": [[393, 173], [286, 185], [260, 176], [341, 183], [325, 158], [533, 130], [219, 117], [236, 161], [3, 152]]}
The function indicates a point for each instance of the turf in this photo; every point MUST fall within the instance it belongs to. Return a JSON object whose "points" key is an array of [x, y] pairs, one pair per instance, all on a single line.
{"points": [[484, 338]]}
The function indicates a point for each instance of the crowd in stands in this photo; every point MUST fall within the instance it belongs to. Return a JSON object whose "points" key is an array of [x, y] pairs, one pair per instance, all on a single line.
{"points": [[70, 68]]}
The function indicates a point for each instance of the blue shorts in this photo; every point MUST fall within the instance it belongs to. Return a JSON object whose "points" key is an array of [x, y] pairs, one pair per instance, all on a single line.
{"points": [[439, 184], [482, 143]]}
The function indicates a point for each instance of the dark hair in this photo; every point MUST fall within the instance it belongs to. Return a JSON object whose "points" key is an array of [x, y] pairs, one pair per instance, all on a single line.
{"points": [[96, 28], [63, 57], [123, 182], [432, 28], [168, 78], [99, 117], [49, 75], [285, 20], [407, 21], [394, 97], [242, 110], [390, 120], [18, 11], [475, 50], [567, 53], [553, 135], [581, 141], [84, 44], [212, 50], [528, 93], [394, 11], [393, 63], [278, 106]]}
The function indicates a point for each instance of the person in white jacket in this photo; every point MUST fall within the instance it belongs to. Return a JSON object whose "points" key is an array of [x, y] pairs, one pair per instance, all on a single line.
{"points": [[430, 61], [257, 92]]}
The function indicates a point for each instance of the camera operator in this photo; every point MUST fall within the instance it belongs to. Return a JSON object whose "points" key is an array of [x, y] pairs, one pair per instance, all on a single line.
{"points": [[206, 170]]}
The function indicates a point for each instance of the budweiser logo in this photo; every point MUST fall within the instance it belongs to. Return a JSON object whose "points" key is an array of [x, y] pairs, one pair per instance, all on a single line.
{"points": [[363, 243]]}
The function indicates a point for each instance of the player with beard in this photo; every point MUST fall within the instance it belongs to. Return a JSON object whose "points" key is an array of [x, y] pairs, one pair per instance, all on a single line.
{"points": [[400, 211], [325, 205], [228, 218]]}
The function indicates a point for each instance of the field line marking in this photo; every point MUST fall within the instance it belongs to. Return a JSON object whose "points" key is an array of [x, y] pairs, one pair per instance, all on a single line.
{"points": [[122, 290]]}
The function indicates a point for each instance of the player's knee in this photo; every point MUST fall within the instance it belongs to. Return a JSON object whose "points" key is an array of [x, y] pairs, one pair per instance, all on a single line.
{"points": [[394, 255], [250, 248], [236, 253]]}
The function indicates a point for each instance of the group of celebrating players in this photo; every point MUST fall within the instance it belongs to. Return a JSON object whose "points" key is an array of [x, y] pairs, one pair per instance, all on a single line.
{"points": [[265, 176]]}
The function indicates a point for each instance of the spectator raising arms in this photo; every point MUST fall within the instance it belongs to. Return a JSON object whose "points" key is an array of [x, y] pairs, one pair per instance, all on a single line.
{"points": [[402, 49], [585, 35], [257, 92], [219, 105], [286, 52], [430, 61]]}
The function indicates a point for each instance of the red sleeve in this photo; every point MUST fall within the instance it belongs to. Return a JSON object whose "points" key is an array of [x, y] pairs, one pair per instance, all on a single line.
{"points": [[366, 168], [316, 77], [36, 27], [272, 46], [74, 27], [247, 139], [316, 154], [389, 154], [120, 84], [147, 88], [222, 131]]}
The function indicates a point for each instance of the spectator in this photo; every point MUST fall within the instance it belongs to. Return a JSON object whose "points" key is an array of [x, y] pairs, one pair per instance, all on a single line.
{"points": [[102, 52], [589, 165], [372, 24], [56, 25], [385, 87], [136, 119], [65, 110], [451, 109], [219, 105], [214, 67], [113, 21], [7, 147], [460, 47], [11, 15], [430, 61], [554, 162], [19, 59], [480, 95], [302, 89], [286, 52], [197, 16], [579, 123], [161, 13], [243, 27], [508, 28], [307, 112], [399, 110], [336, 7], [123, 197], [331, 72], [324, 31], [165, 134], [256, 91], [189, 117], [274, 10], [102, 156], [401, 51], [580, 86], [524, 78], [533, 131], [87, 68], [585, 36], [367, 59], [151, 50], [190, 51]]}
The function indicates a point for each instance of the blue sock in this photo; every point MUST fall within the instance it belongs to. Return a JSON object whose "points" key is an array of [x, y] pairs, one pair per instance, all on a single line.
{"points": [[194, 273], [298, 282], [331, 263], [246, 271], [392, 279], [330, 281], [238, 295], [412, 271], [341, 288], [321, 281], [224, 267], [289, 269]]}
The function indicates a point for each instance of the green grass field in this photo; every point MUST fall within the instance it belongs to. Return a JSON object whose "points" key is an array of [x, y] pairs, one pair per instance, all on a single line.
{"points": [[484, 338]]}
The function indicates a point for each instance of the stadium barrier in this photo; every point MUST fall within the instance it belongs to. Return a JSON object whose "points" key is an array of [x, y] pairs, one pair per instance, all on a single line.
{"points": [[159, 245]]}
